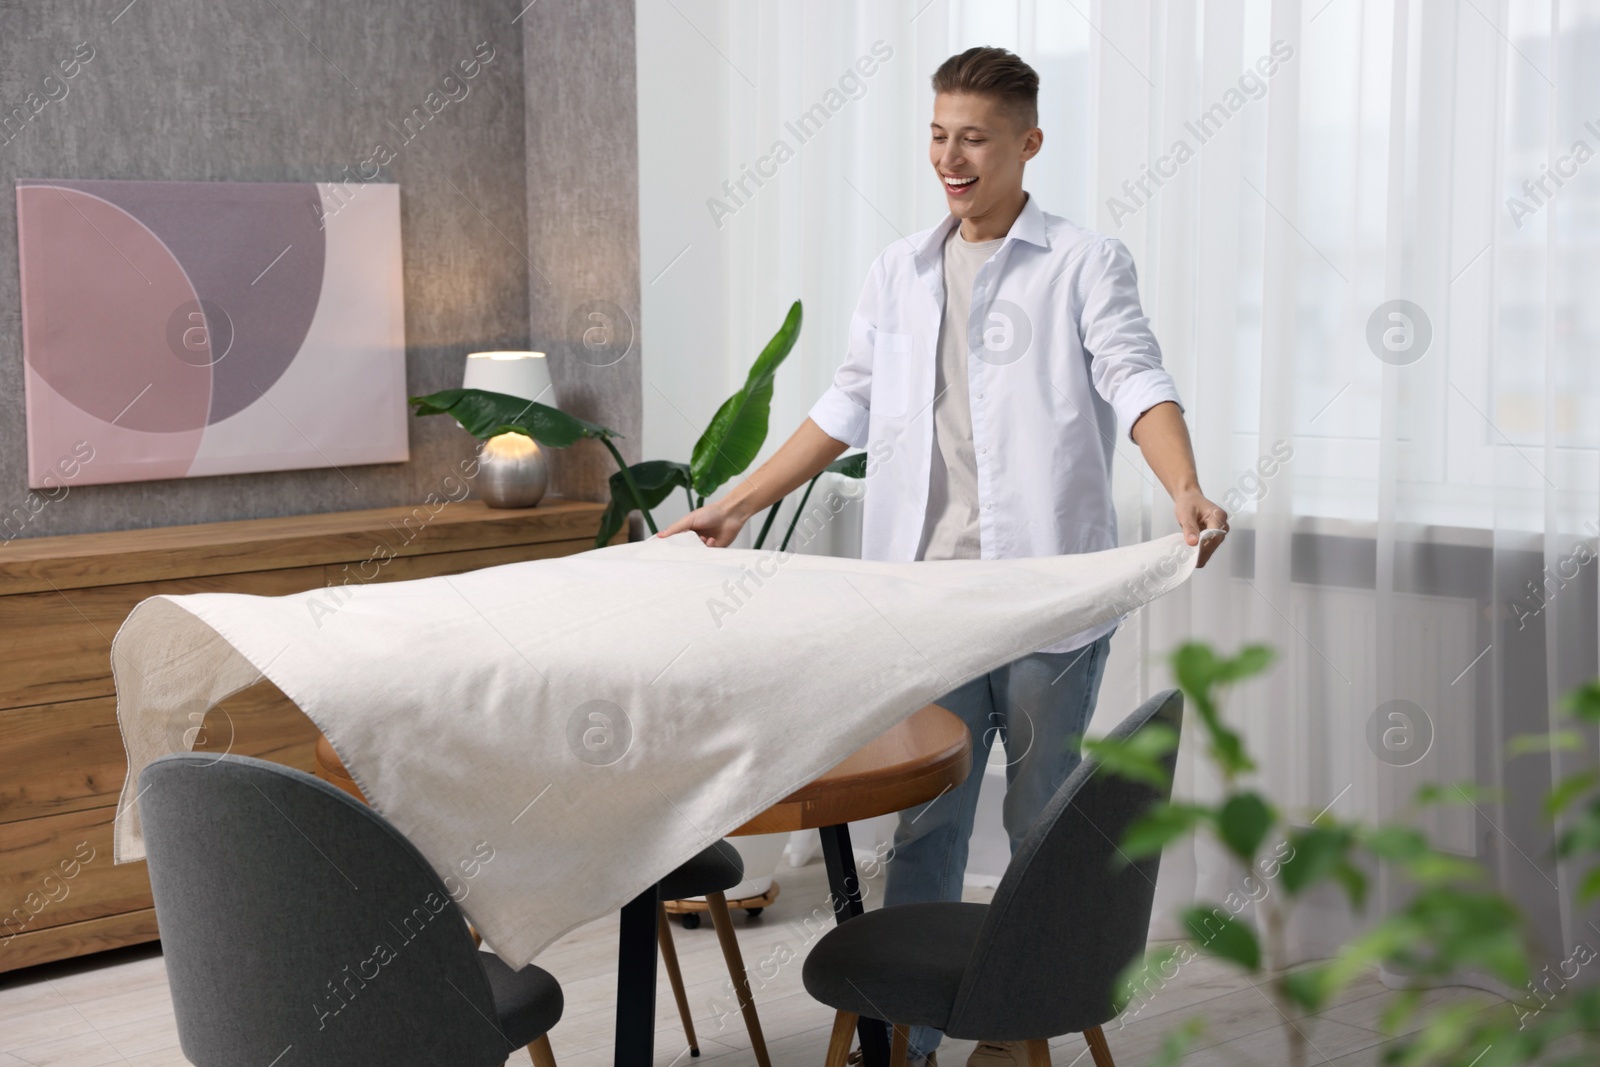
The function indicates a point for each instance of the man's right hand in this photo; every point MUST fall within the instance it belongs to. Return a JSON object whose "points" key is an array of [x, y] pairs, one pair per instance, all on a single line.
{"points": [[806, 454], [716, 524]]}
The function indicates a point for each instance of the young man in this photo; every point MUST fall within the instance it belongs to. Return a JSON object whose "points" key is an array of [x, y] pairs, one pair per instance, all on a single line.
{"points": [[990, 362]]}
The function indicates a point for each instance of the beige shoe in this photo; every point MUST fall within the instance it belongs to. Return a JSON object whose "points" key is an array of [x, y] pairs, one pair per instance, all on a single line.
{"points": [[999, 1054]]}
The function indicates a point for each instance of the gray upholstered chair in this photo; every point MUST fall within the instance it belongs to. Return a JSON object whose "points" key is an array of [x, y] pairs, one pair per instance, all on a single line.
{"points": [[1040, 960], [299, 927]]}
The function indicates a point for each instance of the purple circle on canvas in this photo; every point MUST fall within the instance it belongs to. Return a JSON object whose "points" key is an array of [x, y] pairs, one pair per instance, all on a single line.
{"points": [[262, 272]]}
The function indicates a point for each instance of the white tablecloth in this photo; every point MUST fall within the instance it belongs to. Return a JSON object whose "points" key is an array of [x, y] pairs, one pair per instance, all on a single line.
{"points": [[589, 723]]}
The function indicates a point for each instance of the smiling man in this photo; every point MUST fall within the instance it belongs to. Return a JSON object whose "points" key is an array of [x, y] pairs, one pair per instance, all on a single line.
{"points": [[991, 360]]}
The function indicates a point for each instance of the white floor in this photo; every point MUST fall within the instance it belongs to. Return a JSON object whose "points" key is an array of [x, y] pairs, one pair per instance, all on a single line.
{"points": [[114, 1008]]}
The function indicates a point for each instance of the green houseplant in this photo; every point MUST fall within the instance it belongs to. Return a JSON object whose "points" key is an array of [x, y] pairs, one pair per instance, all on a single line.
{"points": [[484, 415], [1451, 923], [727, 447]]}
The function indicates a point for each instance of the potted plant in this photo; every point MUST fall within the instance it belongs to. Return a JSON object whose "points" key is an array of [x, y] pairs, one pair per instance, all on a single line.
{"points": [[727, 447]]}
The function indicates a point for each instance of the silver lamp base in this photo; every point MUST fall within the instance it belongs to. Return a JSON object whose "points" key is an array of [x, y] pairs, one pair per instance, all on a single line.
{"points": [[512, 472]]}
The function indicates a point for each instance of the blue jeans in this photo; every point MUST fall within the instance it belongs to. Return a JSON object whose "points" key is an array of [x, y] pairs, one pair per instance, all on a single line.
{"points": [[1039, 706]]}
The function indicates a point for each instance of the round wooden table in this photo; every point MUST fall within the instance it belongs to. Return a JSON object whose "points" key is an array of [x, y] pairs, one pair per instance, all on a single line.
{"points": [[331, 769], [919, 759]]}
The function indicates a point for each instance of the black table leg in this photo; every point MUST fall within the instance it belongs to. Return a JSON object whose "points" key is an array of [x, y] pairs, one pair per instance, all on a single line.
{"points": [[845, 886], [636, 982]]}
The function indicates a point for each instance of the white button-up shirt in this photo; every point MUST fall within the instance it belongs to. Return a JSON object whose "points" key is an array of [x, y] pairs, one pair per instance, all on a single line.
{"points": [[1059, 352]]}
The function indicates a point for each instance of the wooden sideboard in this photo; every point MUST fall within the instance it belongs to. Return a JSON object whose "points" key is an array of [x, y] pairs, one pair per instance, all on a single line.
{"points": [[62, 599]]}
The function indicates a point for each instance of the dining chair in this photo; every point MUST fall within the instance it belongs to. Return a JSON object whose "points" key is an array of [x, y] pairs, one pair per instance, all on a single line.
{"points": [[299, 927], [1042, 958], [710, 874]]}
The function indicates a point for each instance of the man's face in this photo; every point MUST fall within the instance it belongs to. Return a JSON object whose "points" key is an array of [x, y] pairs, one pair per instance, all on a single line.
{"points": [[978, 149]]}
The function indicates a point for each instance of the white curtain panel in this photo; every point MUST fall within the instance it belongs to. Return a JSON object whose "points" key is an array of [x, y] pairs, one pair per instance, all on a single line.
{"points": [[1366, 232]]}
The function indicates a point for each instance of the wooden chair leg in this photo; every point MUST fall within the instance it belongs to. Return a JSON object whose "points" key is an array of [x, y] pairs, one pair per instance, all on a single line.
{"points": [[839, 1042], [669, 956], [717, 905], [899, 1045], [540, 1051], [1038, 1053], [1098, 1047]]}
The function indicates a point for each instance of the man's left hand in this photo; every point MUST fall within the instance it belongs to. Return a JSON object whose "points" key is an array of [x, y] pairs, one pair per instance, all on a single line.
{"points": [[1195, 513]]}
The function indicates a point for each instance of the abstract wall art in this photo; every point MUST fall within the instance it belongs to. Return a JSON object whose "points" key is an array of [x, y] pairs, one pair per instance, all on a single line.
{"points": [[182, 329]]}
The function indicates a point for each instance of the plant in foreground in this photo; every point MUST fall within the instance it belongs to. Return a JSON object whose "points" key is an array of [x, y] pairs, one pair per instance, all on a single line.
{"points": [[1451, 925]]}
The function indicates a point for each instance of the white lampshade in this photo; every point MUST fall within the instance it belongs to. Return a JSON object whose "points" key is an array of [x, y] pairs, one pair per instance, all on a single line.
{"points": [[522, 374]]}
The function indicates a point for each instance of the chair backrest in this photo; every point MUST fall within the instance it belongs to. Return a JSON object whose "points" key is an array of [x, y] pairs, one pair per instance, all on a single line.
{"points": [[297, 923], [1071, 912]]}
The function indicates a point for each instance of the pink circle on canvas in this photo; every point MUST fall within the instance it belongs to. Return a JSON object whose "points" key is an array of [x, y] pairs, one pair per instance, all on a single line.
{"points": [[111, 356]]}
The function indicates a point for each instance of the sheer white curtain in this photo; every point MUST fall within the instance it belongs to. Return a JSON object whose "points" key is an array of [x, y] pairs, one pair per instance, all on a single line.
{"points": [[734, 228], [1421, 558], [1416, 498]]}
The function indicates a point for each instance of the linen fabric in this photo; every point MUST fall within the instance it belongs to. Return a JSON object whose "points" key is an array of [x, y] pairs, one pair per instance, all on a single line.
{"points": [[597, 720]]}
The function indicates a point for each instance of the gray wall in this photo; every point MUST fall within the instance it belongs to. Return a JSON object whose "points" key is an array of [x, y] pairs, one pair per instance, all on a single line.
{"points": [[583, 221], [292, 90]]}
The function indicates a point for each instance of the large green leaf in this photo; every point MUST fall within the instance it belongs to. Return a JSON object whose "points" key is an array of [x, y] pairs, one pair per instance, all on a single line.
{"points": [[1584, 701], [1195, 665], [1243, 822], [1309, 987], [739, 428], [484, 415], [1199, 671], [1354, 881], [1466, 930], [656, 479], [1140, 757], [1218, 933], [1570, 789], [1395, 843], [1318, 850], [1247, 662], [1160, 827]]}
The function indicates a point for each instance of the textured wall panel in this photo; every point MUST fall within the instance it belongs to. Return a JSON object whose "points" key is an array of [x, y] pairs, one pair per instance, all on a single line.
{"points": [[583, 221], [293, 90]]}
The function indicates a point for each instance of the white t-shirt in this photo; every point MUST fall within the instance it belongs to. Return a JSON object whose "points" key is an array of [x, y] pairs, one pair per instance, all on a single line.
{"points": [[951, 528]]}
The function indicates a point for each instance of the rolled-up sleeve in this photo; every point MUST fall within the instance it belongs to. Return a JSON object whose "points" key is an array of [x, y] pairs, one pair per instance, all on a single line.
{"points": [[841, 417], [842, 412], [1124, 357]]}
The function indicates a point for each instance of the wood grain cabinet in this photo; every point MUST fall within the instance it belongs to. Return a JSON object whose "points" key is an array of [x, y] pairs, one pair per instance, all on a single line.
{"points": [[62, 599]]}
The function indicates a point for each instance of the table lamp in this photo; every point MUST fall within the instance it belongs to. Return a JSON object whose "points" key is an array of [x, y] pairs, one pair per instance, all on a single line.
{"points": [[512, 472]]}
